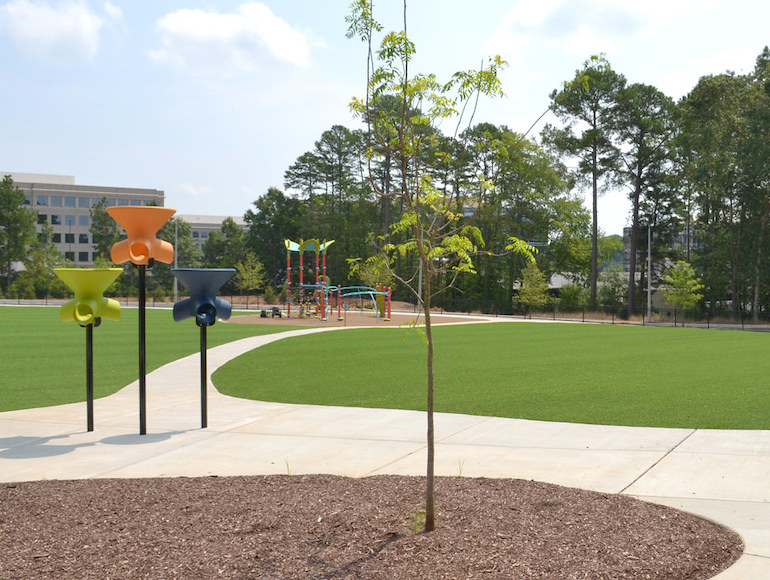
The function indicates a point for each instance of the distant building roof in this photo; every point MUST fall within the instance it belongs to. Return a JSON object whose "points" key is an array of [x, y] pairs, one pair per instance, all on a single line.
{"points": [[40, 178], [210, 220]]}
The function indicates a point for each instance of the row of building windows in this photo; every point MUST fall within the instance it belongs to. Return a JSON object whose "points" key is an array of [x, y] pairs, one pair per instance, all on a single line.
{"points": [[82, 202], [70, 238], [66, 220], [65, 208], [82, 256]]}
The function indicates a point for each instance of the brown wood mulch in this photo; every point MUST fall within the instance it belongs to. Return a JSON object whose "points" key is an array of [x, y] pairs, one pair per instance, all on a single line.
{"points": [[329, 527], [402, 314]]}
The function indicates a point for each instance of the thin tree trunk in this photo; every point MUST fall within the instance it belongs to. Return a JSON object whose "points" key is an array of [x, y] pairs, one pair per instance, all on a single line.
{"points": [[634, 245], [737, 250], [386, 198], [594, 227], [758, 266], [430, 500], [7, 276]]}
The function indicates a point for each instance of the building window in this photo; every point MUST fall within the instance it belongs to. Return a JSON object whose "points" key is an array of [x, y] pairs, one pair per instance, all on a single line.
{"points": [[82, 238], [42, 200], [84, 202], [70, 256], [27, 200], [56, 201], [196, 235], [69, 238], [69, 201], [82, 256], [136, 202], [56, 238], [94, 256], [69, 220], [83, 220], [124, 202], [42, 218], [55, 220]]}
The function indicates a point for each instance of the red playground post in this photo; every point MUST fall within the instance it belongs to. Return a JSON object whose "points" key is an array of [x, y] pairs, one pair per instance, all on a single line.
{"points": [[320, 297], [288, 280]]}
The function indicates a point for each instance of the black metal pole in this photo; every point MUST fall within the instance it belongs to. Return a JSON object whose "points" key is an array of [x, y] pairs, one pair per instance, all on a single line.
{"points": [[204, 401], [142, 361], [90, 376]]}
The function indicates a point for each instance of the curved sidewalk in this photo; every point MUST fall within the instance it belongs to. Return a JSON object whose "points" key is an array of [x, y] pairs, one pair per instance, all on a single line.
{"points": [[721, 475]]}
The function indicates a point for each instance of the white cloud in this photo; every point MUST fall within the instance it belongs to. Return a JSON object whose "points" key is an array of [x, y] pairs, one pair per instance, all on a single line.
{"points": [[230, 43], [654, 39], [114, 12], [657, 12], [57, 33], [574, 26]]}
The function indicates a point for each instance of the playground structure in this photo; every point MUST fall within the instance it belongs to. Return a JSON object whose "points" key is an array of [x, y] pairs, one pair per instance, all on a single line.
{"points": [[318, 298]]}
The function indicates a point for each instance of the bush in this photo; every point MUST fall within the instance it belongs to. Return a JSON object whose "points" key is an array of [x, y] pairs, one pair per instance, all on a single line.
{"points": [[573, 297], [158, 294], [22, 287], [268, 295], [612, 287]]}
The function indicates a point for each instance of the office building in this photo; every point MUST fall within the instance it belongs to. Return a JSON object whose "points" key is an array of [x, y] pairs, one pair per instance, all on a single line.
{"points": [[203, 225], [66, 206]]}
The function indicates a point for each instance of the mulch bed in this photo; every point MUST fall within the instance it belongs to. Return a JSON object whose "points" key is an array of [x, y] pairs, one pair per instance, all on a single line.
{"points": [[329, 527], [403, 314]]}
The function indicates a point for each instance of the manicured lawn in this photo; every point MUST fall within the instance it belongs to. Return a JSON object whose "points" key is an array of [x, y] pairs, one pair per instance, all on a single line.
{"points": [[669, 377], [43, 360]]}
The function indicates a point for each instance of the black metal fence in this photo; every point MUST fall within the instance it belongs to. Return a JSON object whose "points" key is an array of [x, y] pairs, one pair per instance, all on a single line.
{"points": [[701, 318]]}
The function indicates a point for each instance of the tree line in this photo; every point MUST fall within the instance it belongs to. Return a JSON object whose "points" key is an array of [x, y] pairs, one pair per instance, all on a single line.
{"points": [[695, 171]]}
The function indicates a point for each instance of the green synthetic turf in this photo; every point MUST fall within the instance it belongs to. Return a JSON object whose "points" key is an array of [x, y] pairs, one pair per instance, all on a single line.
{"points": [[619, 375], [43, 360]]}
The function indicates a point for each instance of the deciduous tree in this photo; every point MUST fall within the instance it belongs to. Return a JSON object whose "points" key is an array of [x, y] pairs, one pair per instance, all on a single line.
{"points": [[682, 288], [275, 217], [432, 227], [224, 248], [187, 254], [250, 274], [17, 228], [37, 280], [533, 293], [105, 231]]}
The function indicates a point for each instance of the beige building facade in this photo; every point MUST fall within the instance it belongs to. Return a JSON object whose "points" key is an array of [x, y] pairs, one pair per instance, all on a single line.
{"points": [[66, 207]]}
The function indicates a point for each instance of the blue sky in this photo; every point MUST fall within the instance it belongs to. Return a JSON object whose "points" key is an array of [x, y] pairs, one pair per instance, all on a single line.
{"points": [[211, 101]]}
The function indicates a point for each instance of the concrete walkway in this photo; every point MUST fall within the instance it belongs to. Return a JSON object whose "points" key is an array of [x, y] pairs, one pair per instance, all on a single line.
{"points": [[721, 475]]}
